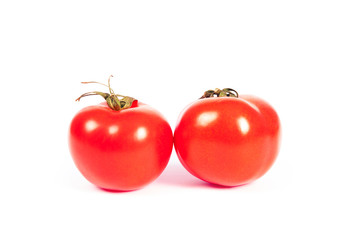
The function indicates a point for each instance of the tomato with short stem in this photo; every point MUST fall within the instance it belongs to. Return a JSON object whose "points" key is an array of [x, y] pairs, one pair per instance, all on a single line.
{"points": [[227, 139], [121, 144]]}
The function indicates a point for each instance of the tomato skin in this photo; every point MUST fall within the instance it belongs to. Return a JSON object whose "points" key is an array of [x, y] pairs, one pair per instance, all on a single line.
{"points": [[228, 141], [120, 150]]}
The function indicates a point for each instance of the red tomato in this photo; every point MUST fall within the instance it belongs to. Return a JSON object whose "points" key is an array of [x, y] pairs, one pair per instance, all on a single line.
{"points": [[228, 141], [120, 150]]}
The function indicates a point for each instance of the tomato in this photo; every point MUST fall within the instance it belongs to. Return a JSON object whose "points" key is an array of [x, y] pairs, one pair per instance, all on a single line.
{"points": [[228, 140], [122, 149]]}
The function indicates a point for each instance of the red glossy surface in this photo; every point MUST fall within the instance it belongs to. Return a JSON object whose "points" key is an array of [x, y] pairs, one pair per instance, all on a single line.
{"points": [[120, 150], [228, 141]]}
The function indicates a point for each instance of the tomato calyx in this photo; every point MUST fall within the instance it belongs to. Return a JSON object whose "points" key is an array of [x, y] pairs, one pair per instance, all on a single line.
{"points": [[111, 98], [226, 92]]}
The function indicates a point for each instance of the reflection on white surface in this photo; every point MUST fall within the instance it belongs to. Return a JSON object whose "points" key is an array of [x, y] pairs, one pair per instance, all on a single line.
{"points": [[243, 125], [140, 133], [113, 129], [91, 125], [206, 118]]}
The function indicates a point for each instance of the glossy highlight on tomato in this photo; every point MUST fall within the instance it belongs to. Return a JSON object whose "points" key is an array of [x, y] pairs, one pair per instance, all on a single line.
{"points": [[228, 141]]}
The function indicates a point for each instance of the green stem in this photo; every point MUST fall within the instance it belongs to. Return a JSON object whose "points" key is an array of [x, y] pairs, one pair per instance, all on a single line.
{"points": [[226, 92], [111, 98]]}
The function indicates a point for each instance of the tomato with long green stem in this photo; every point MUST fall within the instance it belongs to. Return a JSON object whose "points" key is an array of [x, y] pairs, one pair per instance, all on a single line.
{"points": [[120, 144], [227, 139]]}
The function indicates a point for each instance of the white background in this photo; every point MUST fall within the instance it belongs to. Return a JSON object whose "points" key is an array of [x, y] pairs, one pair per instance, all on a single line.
{"points": [[301, 56]]}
